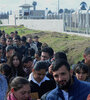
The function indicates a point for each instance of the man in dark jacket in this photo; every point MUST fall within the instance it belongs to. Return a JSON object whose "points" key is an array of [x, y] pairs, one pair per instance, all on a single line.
{"points": [[68, 87]]}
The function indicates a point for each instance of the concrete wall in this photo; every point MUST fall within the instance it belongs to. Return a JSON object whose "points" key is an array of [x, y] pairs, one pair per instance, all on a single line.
{"points": [[12, 20], [42, 24], [5, 21]]}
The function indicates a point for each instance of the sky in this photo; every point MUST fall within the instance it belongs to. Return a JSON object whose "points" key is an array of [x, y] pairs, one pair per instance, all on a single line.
{"points": [[7, 5]]}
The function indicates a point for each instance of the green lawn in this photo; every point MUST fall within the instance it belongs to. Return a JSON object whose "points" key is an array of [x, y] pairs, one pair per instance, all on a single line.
{"points": [[21, 30]]}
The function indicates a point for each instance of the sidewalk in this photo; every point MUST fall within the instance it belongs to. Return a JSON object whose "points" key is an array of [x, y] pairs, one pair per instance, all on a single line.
{"points": [[80, 34]]}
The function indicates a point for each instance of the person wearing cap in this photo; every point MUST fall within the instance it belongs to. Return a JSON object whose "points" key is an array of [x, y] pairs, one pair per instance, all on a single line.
{"points": [[38, 44], [39, 82]]}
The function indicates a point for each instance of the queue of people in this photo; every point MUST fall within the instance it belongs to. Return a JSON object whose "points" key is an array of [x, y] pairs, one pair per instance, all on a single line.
{"points": [[31, 70]]}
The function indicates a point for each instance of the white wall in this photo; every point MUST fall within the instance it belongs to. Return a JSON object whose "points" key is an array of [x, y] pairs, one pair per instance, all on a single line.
{"points": [[12, 19], [42, 24], [4, 21]]}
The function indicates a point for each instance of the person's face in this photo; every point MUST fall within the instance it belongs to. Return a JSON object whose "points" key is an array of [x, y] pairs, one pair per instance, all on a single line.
{"points": [[44, 56], [10, 53], [6, 35], [87, 59], [62, 77], [9, 42], [12, 35], [37, 57], [23, 93], [29, 64], [39, 75], [36, 39], [16, 61], [29, 40], [81, 75], [3, 41], [23, 43], [17, 42]]}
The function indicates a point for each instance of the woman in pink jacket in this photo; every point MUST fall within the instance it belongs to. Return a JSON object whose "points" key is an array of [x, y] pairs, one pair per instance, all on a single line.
{"points": [[19, 89]]}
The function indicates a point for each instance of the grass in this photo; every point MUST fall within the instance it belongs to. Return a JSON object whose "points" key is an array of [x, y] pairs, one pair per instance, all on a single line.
{"points": [[21, 30], [72, 45]]}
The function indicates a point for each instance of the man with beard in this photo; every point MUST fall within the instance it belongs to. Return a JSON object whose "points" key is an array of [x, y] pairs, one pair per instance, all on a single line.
{"points": [[68, 87]]}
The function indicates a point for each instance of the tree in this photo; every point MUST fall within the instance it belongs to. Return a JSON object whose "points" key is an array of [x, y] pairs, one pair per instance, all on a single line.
{"points": [[49, 12], [34, 4], [66, 10], [83, 6], [61, 11]]}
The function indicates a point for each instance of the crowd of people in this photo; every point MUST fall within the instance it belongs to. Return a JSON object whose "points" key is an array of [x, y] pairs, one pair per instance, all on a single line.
{"points": [[31, 70]]}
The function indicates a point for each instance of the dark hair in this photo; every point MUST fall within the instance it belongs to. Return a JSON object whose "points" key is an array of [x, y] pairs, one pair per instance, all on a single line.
{"points": [[40, 65], [87, 51], [58, 63], [38, 53], [16, 32], [18, 82], [31, 52], [3, 38], [12, 33], [18, 56], [48, 50], [60, 55], [10, 38], [6, 69], [36, 37], [8, 48], [26, 59], [17, 37], [19, 68], [23, 38], [80, 66]]}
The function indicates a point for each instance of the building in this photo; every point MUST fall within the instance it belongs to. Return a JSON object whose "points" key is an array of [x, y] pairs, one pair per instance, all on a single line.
{"points": [[27, 13]]}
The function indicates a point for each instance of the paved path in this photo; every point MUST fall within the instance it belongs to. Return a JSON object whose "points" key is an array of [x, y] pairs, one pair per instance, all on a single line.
{"points": [[80, 34]]}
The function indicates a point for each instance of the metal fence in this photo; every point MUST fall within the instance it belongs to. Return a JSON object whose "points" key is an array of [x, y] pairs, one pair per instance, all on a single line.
{"points": [[78, 22]]}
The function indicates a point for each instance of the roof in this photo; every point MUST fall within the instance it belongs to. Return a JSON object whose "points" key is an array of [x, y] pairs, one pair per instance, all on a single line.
{"points": [[26, 6]]}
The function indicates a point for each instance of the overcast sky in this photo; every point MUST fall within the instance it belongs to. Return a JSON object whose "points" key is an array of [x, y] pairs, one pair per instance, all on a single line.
{"points": [[52, 5]]}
